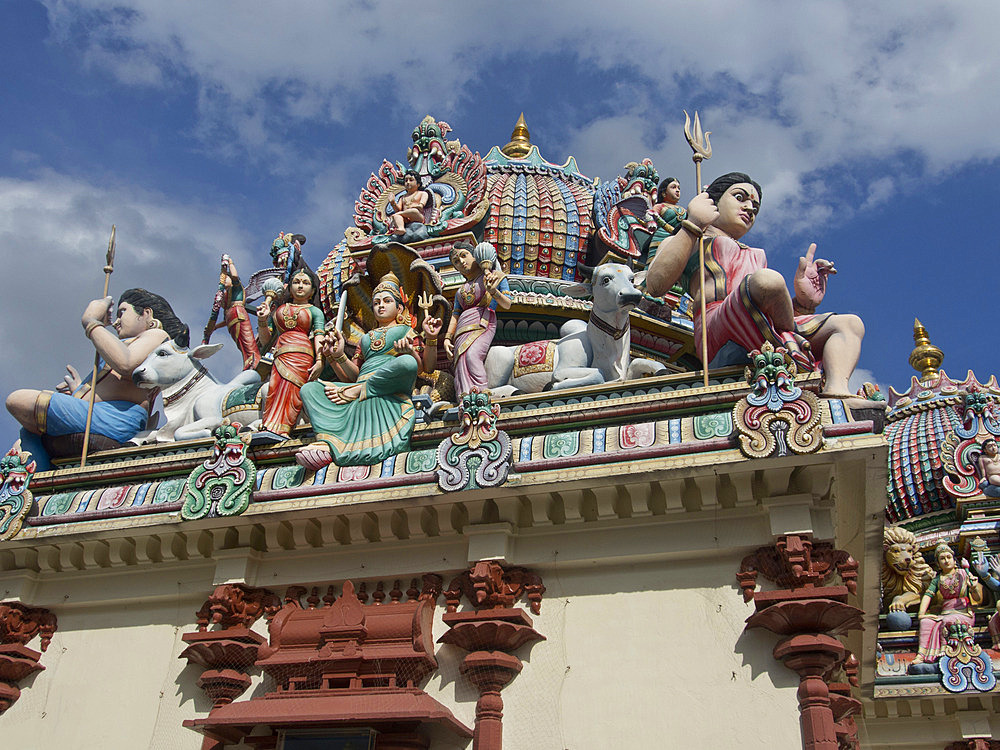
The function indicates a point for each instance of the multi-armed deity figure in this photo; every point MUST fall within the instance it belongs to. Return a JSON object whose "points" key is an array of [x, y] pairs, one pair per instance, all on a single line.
{"points": [[369, 414], [746, 302], [144, 321], [474, 319]]}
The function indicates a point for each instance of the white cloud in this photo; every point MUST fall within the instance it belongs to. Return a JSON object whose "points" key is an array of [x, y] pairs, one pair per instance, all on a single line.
{"points": [[791, 90], [53, 238], [861, 376]]}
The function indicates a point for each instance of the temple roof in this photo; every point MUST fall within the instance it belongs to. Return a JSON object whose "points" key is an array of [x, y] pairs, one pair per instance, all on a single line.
{"points": [[541, 218], [919, 420]]}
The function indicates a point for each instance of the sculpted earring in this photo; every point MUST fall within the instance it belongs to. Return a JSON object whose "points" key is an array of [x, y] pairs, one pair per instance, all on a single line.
{"points": [[154, 323]]}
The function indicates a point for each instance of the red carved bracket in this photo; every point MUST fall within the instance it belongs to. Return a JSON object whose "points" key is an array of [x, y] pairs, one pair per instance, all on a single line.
{"points": [[809, 613], [18, 625], [489, 634], [488, 585], [797, 562], [237, 605], [227, 654], [975, 744]]}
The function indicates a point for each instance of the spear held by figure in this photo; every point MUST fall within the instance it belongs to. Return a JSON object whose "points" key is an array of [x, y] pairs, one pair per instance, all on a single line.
{"points": [[702, 149], [109, 268]]}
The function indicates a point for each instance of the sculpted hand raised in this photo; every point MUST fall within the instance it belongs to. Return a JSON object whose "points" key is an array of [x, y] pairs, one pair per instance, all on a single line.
{"points": [[810, 279], [99, 310]]}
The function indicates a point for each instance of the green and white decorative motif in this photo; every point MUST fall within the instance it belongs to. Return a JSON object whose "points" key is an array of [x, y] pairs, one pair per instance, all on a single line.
{"points": [[287, 476], [478, 455], [561, 445], [16, 469], [708, 426], [223, 484], [169, 491], [418, 461]]}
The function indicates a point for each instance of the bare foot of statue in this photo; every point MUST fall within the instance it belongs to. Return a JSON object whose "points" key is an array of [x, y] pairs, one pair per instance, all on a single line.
{"points": [[314, 456], [852, 401], [344, 394]]}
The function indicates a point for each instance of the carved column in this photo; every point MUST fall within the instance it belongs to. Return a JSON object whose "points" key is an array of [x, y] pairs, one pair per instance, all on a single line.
{"points": [[809, 614], [18, 625], [227, 654], [490, 633]]}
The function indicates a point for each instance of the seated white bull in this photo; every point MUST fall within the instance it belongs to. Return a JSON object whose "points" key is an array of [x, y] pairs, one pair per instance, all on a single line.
{"points": [[586, 354], [192, 398]]}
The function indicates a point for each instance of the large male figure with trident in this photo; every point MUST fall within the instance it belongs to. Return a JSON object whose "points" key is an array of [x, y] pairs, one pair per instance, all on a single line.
{"points": [[746, 302], [143, 321]]}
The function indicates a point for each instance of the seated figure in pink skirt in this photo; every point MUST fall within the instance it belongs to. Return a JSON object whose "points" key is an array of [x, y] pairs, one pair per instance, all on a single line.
{"points": [[959, 590]]}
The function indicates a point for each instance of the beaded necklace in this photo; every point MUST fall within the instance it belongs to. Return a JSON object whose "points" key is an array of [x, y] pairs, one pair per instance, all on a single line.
{"points": [[377, 338]]}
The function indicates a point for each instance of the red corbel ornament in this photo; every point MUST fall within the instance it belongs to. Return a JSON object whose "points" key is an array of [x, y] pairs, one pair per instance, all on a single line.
{"points": [[228, 653], [796, 562], [489, 585], [20, 623], [809, 614], [490, 633]]}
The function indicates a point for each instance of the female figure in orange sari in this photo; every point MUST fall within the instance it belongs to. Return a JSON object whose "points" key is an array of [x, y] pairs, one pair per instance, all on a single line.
{"points": [[298, 324]]}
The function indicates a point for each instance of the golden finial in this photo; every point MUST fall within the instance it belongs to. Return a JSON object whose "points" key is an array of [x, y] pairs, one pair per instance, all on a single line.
{"points": [[520, 144], [925, 357]]}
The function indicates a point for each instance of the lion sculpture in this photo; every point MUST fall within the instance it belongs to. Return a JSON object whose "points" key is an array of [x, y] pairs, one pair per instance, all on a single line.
{"points": [[905, 573]]}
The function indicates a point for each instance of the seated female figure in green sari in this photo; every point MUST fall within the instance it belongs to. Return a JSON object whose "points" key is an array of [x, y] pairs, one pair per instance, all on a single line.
{"points": [[370, 415]]}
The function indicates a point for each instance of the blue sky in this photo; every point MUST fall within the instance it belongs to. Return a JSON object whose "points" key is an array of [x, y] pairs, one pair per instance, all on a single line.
{"points": [[208, 127]]}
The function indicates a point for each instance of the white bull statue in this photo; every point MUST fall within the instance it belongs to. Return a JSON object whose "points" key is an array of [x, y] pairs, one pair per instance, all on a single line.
{"points": [[193, 400], [587, 353]]}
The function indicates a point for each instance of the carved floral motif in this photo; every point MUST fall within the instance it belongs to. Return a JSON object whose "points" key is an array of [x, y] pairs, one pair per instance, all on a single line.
{"points": [[478, 455], [222, 485], [777, 417]]}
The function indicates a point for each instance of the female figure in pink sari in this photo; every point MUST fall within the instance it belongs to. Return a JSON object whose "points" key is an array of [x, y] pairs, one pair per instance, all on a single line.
{"points": [[959, 590], [474, 321]]}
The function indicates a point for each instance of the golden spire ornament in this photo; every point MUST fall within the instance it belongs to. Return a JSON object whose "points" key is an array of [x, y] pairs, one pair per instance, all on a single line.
{"points": [[925, 357], [520, 143]]}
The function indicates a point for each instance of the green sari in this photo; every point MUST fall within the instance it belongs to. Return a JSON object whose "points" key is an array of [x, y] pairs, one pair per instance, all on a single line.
{"points": [[377, 424]]}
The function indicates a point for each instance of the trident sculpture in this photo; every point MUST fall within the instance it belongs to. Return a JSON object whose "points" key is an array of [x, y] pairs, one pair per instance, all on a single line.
{"points": [[702, 149]]}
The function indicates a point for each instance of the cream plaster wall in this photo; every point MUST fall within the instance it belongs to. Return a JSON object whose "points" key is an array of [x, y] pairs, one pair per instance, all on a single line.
{"points": [[636, 656], [112, 680]]}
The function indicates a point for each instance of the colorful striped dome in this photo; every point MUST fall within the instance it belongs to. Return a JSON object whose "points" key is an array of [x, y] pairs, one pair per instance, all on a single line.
{"points": [[919, 420], [541, 218]]}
